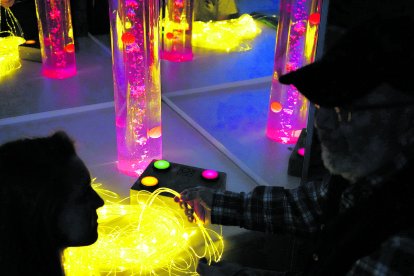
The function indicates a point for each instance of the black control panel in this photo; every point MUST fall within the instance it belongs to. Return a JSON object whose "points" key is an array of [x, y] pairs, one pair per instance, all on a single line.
{"points": [[162, 173]]}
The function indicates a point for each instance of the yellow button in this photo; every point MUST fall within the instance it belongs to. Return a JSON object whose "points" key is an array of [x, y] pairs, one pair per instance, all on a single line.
{"points": [[149, 181]]}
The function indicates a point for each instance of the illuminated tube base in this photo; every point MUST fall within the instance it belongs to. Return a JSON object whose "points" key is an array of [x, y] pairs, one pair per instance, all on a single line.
{"points": [[177, 57], [59, 73], [283, 136], [131, 168]]}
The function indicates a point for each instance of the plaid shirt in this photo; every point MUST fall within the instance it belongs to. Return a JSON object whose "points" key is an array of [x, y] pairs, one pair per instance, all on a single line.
{"points": [[299, 211]]}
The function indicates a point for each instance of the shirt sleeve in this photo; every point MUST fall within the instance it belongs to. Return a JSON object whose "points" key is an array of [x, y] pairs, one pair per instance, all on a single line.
{"points": [[272, 209], [394, 257]]}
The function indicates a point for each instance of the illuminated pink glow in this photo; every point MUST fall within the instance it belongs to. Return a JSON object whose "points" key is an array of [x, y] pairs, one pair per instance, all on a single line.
{"points": [[137, 87], [177, 57], [56, 38], [177, 31], [295, 47], [58, 73], [301, 151], [210, 174]]}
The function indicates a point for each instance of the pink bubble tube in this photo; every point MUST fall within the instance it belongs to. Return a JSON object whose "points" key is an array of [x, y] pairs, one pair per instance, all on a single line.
{"points": [[137, 82], [177, 30], [56, 38], [295, 47]]}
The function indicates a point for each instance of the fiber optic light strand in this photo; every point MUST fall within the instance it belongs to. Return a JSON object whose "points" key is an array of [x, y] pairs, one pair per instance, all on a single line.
{"points": [[9, 44], [232, 35], [108, 196], [12, 23], [152, 237]]}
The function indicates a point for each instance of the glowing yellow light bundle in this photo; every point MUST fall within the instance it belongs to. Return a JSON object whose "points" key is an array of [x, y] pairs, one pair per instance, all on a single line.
{"points": [[233, 35], [148, 238], [9, 44], [9, 54]]}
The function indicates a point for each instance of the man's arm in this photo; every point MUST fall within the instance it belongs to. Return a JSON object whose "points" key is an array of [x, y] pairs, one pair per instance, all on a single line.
{"points": [[394, 257], [272, 209]]}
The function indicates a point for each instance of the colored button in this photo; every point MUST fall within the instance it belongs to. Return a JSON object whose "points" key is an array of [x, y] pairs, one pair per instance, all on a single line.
{"points": [[210, 174], [30, 41], [149, 181], [161, 164]]}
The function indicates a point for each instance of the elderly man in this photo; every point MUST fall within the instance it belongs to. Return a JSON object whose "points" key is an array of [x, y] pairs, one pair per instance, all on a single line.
{"points": [[359, 217]]}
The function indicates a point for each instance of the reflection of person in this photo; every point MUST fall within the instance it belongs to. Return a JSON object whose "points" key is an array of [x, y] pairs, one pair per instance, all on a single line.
{"points": [[6, 3], [359, 217], [46, 204], [206, 10]]}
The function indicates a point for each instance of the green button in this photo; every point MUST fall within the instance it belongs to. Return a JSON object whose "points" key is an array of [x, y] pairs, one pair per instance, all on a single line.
{"points": [[161, 164]]}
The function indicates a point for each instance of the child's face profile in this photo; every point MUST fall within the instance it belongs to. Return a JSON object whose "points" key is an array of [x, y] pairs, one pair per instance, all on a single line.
{"points": [[77, 221]]}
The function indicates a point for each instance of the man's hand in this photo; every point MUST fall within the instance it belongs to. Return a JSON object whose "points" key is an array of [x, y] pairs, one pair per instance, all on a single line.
{"points": [[200, 199], [6, 3]]}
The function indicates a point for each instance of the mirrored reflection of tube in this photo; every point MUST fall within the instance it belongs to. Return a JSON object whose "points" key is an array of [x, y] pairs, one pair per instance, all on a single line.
{"points": [[137, 85], [177, 24], [56, 38], [295, 47]]}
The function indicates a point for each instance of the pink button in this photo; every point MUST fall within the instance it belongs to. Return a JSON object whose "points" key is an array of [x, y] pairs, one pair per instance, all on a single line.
{"points": [[210, 174]]}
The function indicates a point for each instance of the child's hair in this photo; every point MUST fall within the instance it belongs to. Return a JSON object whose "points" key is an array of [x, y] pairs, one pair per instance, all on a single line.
{"points": [[30, 198]]}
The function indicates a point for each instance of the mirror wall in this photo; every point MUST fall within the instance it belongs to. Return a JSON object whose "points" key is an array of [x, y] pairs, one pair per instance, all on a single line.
{"points": [[222, 95]]}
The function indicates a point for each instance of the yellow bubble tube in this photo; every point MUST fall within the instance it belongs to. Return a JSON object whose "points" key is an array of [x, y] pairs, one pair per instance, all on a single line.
{"points": [[151, 237]]}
